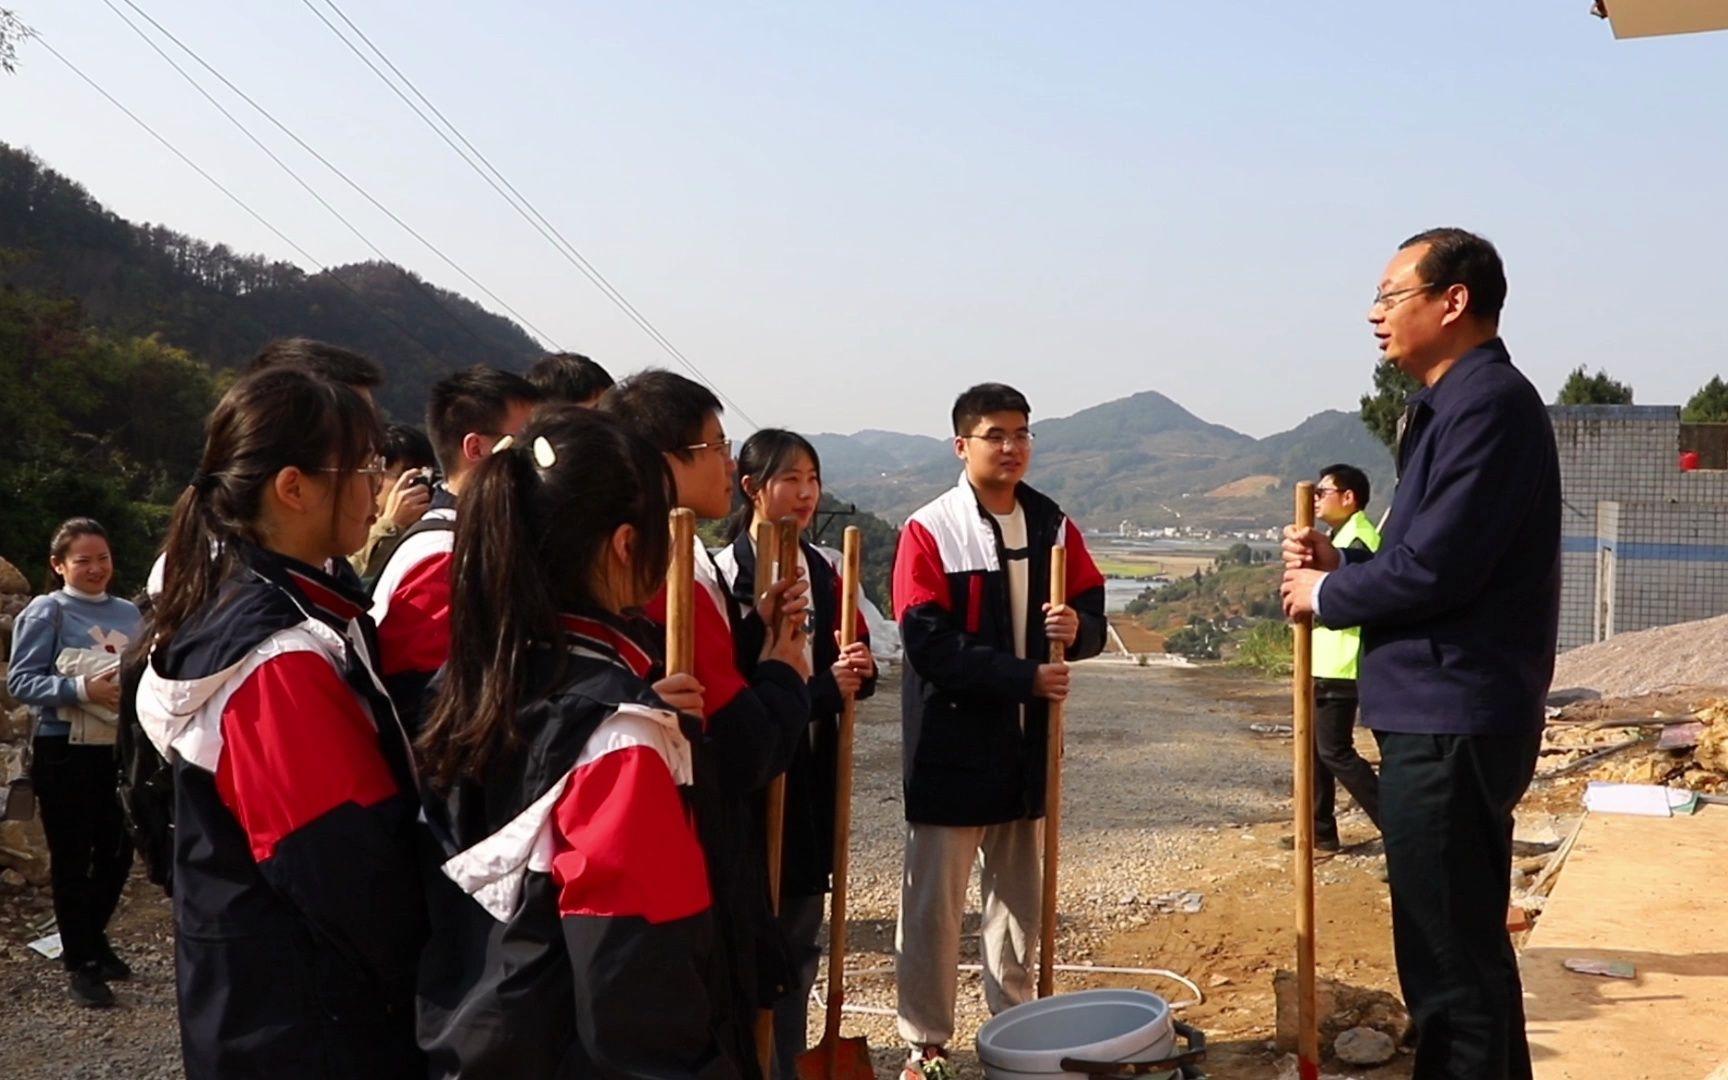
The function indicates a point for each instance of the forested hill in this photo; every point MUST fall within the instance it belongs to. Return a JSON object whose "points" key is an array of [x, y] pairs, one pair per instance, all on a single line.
{"points": [[219, 305]]}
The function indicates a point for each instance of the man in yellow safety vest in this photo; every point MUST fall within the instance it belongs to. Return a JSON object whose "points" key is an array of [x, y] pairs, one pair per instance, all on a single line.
{"points": [[1340, 498]]}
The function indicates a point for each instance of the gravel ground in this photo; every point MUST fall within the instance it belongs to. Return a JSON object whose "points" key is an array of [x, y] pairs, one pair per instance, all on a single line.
{"points": [[1167, 791]]}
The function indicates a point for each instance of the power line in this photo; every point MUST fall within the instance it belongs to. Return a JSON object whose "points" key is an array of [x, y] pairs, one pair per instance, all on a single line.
{"points": [[337, 214], [345, 178], [235, 199], [537, 221]]}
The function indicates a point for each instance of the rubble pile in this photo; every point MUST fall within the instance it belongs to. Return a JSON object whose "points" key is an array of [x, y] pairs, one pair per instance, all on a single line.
{"points": [[1671, 741], [1644, 661]]}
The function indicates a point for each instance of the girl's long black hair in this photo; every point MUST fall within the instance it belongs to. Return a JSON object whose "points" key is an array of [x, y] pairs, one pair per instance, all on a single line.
{"points": [[532, 527]]}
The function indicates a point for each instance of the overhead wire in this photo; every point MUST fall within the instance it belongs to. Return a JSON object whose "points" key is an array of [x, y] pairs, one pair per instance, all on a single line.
{"points": [[343, 176], [298, 179], [514, 198], [235, 199]]}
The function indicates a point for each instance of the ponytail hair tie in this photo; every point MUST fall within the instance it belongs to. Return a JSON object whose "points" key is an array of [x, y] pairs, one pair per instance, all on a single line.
{"points": [[202, 481]]}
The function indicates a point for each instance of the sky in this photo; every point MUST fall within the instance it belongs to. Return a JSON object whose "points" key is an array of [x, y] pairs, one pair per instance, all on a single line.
{"points": [[844, 213]]}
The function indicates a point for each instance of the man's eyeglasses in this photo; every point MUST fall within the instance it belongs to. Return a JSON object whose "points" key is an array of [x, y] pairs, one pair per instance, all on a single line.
{"points": [[1386, 301], [1021, 440], [722, 445], [1322, 492]]}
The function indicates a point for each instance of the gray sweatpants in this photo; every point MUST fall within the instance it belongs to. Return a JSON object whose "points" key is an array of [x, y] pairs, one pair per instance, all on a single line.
{"points": [[939, 862]]}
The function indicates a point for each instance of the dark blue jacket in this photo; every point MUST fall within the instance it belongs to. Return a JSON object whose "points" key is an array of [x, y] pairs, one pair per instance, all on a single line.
{"points": [[1460, 607]]}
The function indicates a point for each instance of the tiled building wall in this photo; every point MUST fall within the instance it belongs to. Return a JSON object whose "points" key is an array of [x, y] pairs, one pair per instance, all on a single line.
{"points": [[1670, 564], [1667, 538]]}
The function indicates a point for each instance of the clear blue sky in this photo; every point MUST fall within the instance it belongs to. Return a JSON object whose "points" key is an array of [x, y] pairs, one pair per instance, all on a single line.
{"points": [[845, 213]]}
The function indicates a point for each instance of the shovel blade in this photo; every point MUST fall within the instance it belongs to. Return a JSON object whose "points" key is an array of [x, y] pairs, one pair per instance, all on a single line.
{"points": [[837, 1059]]}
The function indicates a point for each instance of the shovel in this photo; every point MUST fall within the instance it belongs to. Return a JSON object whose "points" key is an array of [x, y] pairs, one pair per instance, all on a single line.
{"points": [[782, 541], [837, 1058]]}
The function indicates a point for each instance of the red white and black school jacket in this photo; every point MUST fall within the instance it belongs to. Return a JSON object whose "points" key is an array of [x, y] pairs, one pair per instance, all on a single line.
{"points": [[755, 716], [297, 902], [411, 607], [572, 927], [807, 853], [967, 757]]}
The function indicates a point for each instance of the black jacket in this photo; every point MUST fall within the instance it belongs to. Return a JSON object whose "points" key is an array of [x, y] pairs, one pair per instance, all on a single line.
{"points": [[297, 903], [807, 852], [968, 760], [1460, 607], [573, 934]]}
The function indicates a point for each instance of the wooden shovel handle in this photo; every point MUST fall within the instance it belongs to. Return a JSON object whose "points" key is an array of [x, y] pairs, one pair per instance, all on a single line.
{"points": [[1052, 796], [851, 561], [681, 594], [1302, 710]]}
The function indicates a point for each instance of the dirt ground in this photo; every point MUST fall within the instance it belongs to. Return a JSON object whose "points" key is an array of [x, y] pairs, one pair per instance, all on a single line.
{"points": [[1168, 790]]}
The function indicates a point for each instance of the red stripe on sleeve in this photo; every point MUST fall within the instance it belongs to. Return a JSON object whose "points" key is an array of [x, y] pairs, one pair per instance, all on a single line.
{"points": [[415, 634], [716, 663], [296, 744], [918, 575], [624, 845], [1083, 573]]}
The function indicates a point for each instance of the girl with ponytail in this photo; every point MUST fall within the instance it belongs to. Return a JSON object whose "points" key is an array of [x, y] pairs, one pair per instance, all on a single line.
{"points": [[297, 907], [572, 933]]}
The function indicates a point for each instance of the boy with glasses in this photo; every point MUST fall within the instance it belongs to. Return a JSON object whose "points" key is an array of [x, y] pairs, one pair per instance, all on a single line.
{"points": [[971, 581]]}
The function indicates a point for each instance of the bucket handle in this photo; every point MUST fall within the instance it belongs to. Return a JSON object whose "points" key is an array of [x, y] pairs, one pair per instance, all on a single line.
{"points": [[1196, 1052]]}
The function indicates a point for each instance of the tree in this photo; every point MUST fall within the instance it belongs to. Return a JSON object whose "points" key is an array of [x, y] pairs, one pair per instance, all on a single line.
{"points": [[1597, 389], [1382, 408], [12, 31], [1709, 405]]}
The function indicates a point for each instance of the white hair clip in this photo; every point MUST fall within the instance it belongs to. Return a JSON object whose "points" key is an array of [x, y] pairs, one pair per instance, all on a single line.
{"points": [[544, 455], [503, 444]]}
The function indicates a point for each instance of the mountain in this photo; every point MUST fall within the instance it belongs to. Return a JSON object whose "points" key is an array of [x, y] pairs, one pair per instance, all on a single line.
{"points": [[1143, 459], [220, 306]]}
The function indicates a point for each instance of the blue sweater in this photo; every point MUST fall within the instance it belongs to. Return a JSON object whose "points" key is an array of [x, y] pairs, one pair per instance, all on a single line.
{"points": [[1460, 607], [107, 625]]}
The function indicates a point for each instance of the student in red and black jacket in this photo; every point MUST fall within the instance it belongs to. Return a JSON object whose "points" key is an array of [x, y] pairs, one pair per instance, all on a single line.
{"points": [[753, 674], [297, 904], [467, 413], [971, 584], [573, 932], [780, 476]]}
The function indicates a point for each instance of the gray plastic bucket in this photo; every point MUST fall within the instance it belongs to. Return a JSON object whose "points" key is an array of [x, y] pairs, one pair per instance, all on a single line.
{"points": [[1028, 1042]]}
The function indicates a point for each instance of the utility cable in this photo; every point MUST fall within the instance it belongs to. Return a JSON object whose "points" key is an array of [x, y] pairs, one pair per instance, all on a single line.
{"points": [[284, 166], [344, 177], [531, 214], [235, 199]]}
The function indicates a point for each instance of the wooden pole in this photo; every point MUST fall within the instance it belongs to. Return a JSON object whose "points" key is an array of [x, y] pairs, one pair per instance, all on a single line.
{"points": [[1302, 702], [1052, 796], [681, 595], [851, 563], [776, 546]]}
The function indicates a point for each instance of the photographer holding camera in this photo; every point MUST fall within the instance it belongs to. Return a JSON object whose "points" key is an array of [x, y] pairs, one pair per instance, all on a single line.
{"points": [[410, 469]]}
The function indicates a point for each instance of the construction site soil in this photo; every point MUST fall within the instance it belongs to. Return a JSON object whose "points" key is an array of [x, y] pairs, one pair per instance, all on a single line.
{"points": [[1171, 792]]}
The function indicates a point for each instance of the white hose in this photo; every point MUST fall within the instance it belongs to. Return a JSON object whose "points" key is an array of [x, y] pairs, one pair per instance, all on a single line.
{"points": [[1158, 973]]}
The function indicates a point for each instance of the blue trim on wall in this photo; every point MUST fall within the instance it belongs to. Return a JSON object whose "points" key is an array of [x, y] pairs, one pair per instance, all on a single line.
{"points": [[1646, 552]]}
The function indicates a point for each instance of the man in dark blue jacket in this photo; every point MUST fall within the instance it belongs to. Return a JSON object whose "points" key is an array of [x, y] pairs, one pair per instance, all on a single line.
{"points": [[1458, 610]]}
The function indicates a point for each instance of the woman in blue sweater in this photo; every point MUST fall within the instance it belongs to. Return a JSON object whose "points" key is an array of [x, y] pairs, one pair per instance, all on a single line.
{"points": [[65, 665]]}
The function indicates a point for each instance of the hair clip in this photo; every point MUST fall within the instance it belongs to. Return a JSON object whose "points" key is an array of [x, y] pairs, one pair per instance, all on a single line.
{"points": [[544, 455], [503, 444]]}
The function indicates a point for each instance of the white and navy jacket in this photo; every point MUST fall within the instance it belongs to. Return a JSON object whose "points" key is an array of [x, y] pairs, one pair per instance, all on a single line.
{"points": [[572, 930], [297, 902], [411, 606], [967, 758]]}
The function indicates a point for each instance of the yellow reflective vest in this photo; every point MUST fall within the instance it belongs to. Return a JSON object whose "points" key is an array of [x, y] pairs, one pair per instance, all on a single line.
{"points": [[1336, 651]]}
